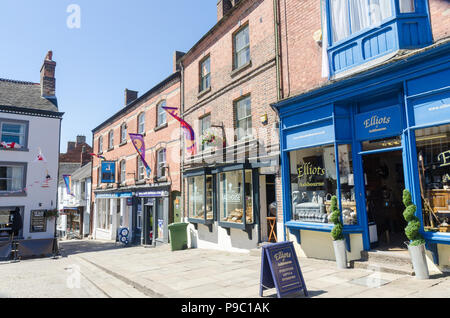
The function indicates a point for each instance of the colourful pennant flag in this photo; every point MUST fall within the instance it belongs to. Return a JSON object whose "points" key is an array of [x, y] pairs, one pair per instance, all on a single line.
{"points": [[98, 156], [139, 145], [10, 145], [40, 157], [188, 131], [68, 181]]}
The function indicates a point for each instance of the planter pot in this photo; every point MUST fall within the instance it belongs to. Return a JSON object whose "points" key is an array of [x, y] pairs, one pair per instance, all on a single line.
{"points": [[419, 261], [341, 254]]}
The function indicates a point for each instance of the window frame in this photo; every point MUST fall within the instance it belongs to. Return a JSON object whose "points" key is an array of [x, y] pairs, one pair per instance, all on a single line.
{"points": [[202, 76], [24, 167], [123, 171], [123, 128], [139, 123], [140, 165], [245, 26], [160, 164], [100, 144], [160, 111], [25, 124], [111, 139], [246, 118], [202, 129], [205, 174]]}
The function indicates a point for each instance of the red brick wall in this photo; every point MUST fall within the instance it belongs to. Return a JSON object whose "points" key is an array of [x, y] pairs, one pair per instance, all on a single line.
{"points": [[258, 80], [440, 18], [167, 137]]}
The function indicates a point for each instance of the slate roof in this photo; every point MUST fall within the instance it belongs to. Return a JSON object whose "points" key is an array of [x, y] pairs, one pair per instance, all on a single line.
{"points": [[26, 96]]}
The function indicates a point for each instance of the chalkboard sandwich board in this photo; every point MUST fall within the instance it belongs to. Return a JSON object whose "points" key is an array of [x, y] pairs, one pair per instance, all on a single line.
{"points": [[280, 269]]}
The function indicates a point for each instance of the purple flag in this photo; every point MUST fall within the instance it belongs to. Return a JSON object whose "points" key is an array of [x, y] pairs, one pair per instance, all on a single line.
{"points": [[139, 145]]}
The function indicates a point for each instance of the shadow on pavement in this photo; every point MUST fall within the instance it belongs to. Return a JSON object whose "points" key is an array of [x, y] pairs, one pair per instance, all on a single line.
{"points": [[85, 246]]}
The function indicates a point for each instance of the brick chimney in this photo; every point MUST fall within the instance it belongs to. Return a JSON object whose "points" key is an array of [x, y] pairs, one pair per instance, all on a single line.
{"points": [[130, 96], [224, 6], [81, 139], [71, 145], [48, 82], [176, 60]]}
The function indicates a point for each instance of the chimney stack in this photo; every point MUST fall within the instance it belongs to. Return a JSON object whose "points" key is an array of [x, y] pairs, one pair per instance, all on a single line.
{"points": [[176, 60], [224, 6], [81, 139], [48, 82], [70, 145], [130, 96]]}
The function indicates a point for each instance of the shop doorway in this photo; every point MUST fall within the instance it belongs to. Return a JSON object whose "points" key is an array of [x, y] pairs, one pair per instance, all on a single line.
{"points": [[384, 181], [270, 221]]}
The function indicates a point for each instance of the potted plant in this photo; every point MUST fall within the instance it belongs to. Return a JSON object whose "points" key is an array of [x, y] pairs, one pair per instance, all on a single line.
{"points": [[51, 213], [338, 235], [416, 245]]}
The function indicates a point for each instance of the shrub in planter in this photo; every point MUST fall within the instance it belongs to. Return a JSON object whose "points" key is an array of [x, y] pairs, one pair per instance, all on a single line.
{"points": [[338, 235], [416, 246]]}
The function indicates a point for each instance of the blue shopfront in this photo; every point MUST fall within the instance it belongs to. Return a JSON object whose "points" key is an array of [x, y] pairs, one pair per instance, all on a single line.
{"points": [[365, 139]]}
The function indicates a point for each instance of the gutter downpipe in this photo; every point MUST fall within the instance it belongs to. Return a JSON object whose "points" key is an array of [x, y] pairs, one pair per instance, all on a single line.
{"points": [[182, 141], [277, 31]]}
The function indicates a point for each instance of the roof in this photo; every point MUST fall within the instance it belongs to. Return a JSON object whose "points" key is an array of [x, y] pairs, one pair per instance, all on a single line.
{"points": [[83, 172], [132, 104], [67, 168], [26, 96]]}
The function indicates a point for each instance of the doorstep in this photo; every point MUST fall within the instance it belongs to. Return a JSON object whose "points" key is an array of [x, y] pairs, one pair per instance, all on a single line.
{"points": [[394, 262]]}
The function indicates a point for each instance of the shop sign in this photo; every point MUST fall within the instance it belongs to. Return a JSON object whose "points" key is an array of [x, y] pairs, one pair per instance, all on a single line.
{"points": [[304, 137], [38, 222], [431, 109], [114, 195], [154, 194], [380, 123], [280, 269], [108, 172]]}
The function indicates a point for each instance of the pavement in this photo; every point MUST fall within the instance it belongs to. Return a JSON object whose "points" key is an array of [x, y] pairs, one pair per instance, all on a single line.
{"points": [[93, 269]]}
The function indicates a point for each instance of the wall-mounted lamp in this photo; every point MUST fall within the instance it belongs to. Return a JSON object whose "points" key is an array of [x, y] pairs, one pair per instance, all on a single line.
{"points": [[317, 36]]}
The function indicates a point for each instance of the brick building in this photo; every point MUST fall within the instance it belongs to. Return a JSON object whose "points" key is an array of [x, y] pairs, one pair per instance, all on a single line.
{"points": [[132, 197], [229, 82], [365, 95]]}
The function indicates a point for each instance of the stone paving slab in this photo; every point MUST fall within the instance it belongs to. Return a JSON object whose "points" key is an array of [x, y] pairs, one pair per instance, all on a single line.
{"points": [[199, 273]]}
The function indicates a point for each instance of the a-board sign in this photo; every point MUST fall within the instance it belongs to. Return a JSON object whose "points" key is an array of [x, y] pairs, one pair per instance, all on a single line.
{"points": [[280, 269]]}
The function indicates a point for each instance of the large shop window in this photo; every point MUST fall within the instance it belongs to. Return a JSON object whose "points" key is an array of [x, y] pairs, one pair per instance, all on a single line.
{"points": [[104, 219], [433, 151], [314, 182], [200, 196], [235, 199]]}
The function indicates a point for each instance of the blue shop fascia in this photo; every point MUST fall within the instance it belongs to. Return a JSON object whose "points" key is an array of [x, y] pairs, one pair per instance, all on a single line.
{"points": [[365, 138]]}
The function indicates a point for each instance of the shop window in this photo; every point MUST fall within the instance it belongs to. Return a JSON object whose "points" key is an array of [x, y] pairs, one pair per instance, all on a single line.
{"points": [[313, 183], [235, 198], [12, 178], [103, 214], [13, 134], [433, 151], [141, 123], [347, 179], [139, 216], [200, 197]]}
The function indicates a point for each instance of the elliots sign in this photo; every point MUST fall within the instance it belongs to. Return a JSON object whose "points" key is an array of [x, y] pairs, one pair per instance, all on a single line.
{"points": [[381, 123]]}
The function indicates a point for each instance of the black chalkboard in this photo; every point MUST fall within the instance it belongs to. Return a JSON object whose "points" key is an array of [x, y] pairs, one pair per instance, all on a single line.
{"points": [[38, 221], [280, 269]]}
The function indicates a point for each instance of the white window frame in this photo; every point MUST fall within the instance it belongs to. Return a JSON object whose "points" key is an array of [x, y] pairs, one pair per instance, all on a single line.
{"points": [[247, 119], [243, 49], [111, 139], [123, 133], [141, 123], [23, 168], [23, 135], [161, 114], [140, 169], [205, 78], [123, 171], [161, 163], [100, 144]]}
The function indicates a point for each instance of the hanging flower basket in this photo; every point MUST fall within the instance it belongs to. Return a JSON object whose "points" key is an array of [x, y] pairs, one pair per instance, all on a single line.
{"points": [[51, 213], [209, 138]]}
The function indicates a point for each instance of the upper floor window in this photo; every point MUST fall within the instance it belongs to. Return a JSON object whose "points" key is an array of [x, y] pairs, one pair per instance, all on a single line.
{"points": [[407, 6], [205, 124], [241, 44], [13, 134], [111, 139], [140, 169], [161, 115], [123, 133], [12, 178], [351, 16], [141, 123], [100, 144], [205, 74], [161, 163], [123, 172], [243, 118]]}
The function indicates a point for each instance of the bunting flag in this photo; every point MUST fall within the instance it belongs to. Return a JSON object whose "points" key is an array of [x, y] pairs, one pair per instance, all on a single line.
{"points": [[188, 131], [10, 145], [139, 145], [98, 156], [40, 157], [68, 181]]}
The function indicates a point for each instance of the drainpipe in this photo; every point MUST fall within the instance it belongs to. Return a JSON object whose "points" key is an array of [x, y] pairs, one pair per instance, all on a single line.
{"points": [[277, 32], [182, 140]]}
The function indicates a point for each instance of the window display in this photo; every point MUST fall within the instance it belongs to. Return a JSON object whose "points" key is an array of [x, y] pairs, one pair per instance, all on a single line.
{"points": [[433, 152], [347, 179], [233, 192], [198, 197], [313, 183]]}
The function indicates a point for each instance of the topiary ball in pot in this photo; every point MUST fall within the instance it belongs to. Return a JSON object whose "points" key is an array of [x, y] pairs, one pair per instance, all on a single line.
{"points": [[337, 231]]}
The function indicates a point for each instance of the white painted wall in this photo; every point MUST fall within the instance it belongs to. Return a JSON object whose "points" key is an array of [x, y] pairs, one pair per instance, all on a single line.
{"points": [[43, 133]]}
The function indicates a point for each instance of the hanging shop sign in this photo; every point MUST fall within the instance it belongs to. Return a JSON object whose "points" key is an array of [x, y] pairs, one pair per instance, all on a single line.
{"points": [[378, 124], [280, 269], [108, 172]]}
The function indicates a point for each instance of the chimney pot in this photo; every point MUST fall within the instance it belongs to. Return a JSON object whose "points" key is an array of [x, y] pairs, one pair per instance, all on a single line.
{"points": [[48, 81], [177, 55]]}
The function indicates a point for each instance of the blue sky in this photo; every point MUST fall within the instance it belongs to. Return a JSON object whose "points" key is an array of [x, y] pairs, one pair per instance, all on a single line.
{"points": [[120, 44]]}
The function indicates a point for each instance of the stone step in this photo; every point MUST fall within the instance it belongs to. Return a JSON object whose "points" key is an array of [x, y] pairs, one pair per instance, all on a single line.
{"points": [[395, 258], [383, 267]]}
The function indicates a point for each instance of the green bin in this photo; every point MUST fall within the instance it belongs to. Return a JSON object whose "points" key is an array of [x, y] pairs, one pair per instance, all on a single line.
{"points": [[178, 236]]}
